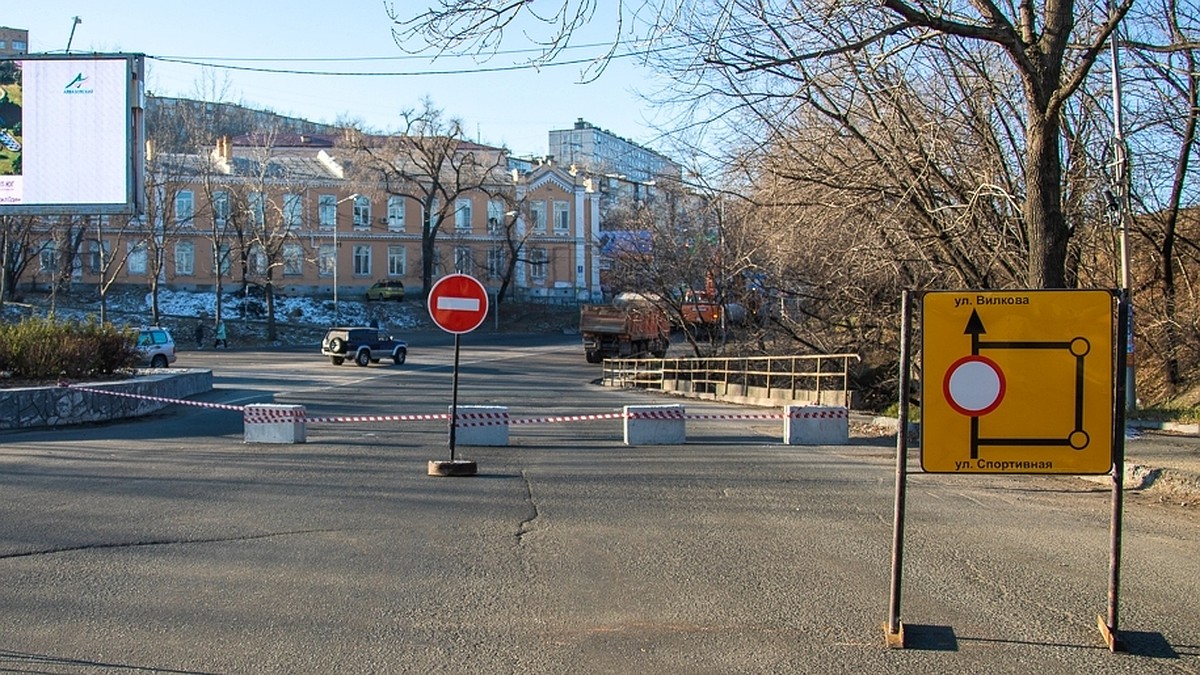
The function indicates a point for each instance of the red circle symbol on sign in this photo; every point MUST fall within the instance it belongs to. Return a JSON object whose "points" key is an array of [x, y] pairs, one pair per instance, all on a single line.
{"points": [[458, 303], [974, 385]]}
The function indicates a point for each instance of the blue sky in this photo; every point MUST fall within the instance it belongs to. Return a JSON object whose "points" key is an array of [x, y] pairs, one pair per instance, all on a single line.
{"points": [[512, 108]]}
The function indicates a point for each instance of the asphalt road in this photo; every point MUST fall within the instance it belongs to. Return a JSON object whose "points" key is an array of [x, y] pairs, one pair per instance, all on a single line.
{"points": [[166, 544]]}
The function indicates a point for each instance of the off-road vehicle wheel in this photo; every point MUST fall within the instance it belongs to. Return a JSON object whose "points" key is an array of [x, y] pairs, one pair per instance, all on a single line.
{"points": [[363, 358]]}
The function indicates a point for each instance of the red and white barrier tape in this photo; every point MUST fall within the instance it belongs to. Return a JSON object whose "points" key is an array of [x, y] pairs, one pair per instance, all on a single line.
{"points": [[198, 404], [381, 418], [567, 418], [750, 416], [821, 413]]}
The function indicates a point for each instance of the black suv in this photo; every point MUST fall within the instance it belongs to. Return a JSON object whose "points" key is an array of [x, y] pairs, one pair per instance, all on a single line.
{"points": [[362, 345]]}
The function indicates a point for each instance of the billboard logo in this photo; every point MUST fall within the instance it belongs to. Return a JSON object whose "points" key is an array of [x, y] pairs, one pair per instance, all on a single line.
{"points": [[75, 86]]}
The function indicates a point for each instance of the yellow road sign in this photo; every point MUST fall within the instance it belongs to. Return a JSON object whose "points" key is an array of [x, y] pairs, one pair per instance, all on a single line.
{"points": [[1017, 381]]}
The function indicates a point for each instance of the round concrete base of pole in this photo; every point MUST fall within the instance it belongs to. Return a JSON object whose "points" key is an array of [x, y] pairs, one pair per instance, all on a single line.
{"points": [[457, 467]]}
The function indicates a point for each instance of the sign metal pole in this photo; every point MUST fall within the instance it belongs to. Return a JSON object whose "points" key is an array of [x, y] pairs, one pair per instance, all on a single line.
{"points": [[894, 629], [454, 398], [1108, 624]]}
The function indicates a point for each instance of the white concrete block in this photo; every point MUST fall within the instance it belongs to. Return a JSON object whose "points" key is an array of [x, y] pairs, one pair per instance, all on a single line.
{"points": [[481, 425], [816, 425], [273, 423], [655, 425]]}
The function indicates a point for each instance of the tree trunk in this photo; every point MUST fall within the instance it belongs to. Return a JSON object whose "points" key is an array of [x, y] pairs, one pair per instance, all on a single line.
{"points": [[428, 245], [1044, 220]]}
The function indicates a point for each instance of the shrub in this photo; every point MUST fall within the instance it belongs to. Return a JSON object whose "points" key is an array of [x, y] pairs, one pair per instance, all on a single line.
{"points": [[45, 348]]}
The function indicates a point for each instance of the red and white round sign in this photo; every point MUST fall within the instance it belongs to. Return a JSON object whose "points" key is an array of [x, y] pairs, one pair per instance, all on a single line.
{"points": [[974, 385], [458, 303]]}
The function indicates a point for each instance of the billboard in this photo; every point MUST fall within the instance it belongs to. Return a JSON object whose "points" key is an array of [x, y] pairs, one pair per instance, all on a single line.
{"points": [[72, 135]]}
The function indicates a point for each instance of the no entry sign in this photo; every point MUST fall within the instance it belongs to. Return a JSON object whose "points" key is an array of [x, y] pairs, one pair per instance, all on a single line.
{"points": [[458, 303]]}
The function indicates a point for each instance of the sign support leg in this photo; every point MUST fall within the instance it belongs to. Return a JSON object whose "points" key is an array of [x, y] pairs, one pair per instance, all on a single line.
{"points": [[454, 399], [1108, 625], [894, 630]]}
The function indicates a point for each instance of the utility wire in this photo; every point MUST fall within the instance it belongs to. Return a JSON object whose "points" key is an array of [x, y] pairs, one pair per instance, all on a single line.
{"points": [[405, 57], [210, 63]]}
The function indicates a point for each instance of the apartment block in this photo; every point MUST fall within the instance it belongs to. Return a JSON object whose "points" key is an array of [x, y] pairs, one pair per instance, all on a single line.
{"points": [[601, 153], [13, 41]]}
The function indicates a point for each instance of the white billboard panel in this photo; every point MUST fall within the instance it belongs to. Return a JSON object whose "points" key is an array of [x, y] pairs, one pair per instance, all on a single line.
{"points": [[71, 136]]}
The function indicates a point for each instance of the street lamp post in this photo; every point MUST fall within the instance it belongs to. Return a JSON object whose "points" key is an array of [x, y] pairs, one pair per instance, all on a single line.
{"points": [[337, 315]]}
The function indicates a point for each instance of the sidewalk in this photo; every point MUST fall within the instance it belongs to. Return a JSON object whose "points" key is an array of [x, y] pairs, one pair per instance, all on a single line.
{"points": [[1163, 459]]}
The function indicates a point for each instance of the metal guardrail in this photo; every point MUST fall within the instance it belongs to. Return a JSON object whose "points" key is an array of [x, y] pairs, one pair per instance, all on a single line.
{"points": [[819, 378]]}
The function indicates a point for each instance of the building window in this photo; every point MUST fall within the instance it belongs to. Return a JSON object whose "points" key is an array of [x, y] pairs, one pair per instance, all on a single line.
{"points": [[396, 261], [97, 255], [292, 210], [185, 259], [258, 208], [537, 217], [537, 264], [362, 213], [562, 217], [495, 262], [293, 260], [48, 257], [431, 216], [220, 205], [325, 260], [185, 208], [257, 260], [362, 260], [395, 214], [462, 214], [225, 258], [136, 260], [463, 262], [495, 216], [326, 211]]}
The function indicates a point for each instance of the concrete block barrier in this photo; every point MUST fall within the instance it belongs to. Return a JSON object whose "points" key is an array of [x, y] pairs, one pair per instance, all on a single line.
{"points": [[481, 425], [816, 425], [274, 423], [655, 425]]}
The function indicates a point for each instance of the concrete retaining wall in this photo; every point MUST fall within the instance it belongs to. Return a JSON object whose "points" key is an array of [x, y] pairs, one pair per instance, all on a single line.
{"points": [[35, 407]]}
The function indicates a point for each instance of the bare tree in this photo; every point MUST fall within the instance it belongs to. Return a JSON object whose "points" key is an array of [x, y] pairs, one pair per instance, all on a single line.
{"points": [[105, 254], [1050, 45], [430, 162]]}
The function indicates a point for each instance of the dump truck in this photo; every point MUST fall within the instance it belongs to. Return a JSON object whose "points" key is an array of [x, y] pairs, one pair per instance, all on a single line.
{"points": [[631, 327]]}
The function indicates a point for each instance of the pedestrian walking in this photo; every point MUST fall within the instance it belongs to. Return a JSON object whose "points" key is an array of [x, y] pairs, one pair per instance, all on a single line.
{"points": [[200, 334], [221, 341]]}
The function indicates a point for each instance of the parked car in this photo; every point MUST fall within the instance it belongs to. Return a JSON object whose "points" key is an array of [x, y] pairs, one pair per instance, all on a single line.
{"points": [[156, 346], [362, 345], [386, 289]]}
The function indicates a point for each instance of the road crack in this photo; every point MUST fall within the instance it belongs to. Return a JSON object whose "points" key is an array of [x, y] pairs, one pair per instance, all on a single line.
{"points": [[161, 542], [526, 526]]}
